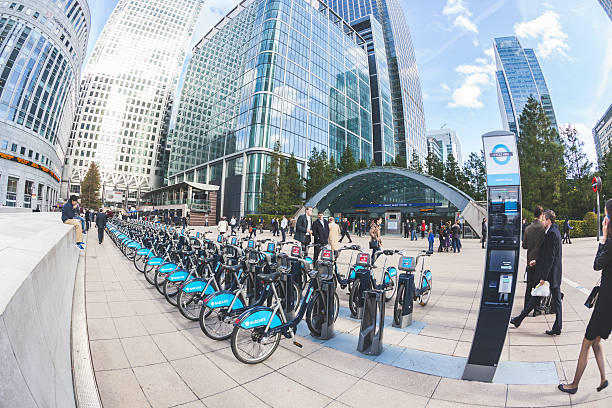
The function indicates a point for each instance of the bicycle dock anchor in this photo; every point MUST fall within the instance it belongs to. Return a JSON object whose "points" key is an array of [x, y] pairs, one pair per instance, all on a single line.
{"points": [[364, 284], [372, 323], [328, 288], [402, 312]]}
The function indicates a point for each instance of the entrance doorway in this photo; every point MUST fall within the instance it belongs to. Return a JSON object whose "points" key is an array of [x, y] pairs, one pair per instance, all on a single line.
{"points": [[393, 223]]}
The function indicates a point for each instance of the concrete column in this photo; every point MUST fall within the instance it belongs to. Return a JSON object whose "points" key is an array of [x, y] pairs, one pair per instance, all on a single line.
{"points": [[222, 188], [243, 185]]}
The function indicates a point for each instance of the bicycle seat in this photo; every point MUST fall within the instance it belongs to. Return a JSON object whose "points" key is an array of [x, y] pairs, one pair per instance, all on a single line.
{"points": [[233, 268], [269, 277]]}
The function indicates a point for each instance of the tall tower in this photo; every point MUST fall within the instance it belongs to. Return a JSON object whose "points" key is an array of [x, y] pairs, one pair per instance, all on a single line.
{"points": [[519, 76], [406, 97], [124, 106], [607, 6], [42, 46]]}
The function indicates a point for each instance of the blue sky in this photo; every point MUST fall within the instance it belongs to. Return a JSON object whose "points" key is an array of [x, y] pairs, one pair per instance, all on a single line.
{"points": [[452, 41]]}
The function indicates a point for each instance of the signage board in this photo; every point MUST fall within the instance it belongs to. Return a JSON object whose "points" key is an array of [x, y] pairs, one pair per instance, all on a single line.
{"points": [[501, 159], [114, 196]]}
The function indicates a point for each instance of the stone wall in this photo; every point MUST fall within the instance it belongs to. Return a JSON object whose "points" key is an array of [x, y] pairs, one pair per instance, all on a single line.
{"points": [[38, 262]]}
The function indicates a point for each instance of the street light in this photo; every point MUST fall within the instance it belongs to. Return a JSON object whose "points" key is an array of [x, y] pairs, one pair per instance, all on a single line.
{"points": [[596, 183]]}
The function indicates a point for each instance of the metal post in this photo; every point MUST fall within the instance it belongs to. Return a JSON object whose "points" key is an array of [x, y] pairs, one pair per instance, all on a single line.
{"points": [[598, 218]]}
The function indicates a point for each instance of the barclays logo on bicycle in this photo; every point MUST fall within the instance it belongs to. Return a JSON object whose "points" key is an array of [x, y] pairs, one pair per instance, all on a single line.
{"points": [[251, 322]]}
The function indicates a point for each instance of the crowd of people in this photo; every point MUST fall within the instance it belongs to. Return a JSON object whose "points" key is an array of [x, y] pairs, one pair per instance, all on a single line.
{"points": [[82, 218]]}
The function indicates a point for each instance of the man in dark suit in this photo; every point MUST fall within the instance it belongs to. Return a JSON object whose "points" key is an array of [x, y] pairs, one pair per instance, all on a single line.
{"points": [[483, 232], [303, 229], [344, 230], [548, 268], [533, 237], [320, 231], [100, 224]]}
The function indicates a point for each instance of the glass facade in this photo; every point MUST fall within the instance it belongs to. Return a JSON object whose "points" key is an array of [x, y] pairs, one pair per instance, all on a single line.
{"points": [[607, 6], [447, 143], [407, 101], [123, 113], [42, 46], [519, 76], [286, 72], [602, 133]]}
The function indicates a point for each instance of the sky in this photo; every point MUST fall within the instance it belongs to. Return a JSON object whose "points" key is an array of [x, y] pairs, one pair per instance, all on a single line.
{"points": [[453, 45]]}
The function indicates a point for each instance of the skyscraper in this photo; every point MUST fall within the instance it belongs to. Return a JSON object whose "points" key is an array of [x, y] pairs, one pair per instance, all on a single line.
{"points": [[448, 143], [126, 95], [518, 77], [406, 97], [607, 5], [602, 133], [285, 73], [42, 47]]}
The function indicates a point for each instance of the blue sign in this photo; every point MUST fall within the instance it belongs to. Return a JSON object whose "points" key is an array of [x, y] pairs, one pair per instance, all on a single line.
{"points": [[501, 154], [399, 205]]}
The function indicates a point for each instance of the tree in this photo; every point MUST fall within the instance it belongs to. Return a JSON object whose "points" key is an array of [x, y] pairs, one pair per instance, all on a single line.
{"points": [[415, 163], [541, 158], [475, 175], [90, 188], [331, 171], [271, 192], [362, 164], [399, 161], [347, 162], [317, 173], [452, 172], [576, 198], [295, 185], [434, 166]]}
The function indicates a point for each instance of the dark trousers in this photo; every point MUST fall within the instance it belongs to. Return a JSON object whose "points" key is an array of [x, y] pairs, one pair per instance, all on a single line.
{"points": [[556, 300], [345, 234], [317, 250], [531, 283], [100, 235], [284, 233]]}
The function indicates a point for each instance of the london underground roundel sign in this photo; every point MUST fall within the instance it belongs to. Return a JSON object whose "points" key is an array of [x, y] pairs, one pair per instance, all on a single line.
{"points": [[596, 183]]}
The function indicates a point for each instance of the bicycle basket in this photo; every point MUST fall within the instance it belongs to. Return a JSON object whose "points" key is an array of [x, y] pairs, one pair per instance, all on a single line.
{"points": [[283, 261], [407, 264], [325, 271], [252, 257], [363, 259]]}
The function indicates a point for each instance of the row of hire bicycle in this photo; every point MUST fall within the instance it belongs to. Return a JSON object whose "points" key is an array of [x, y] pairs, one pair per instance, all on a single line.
{"points": [[252, 292]]}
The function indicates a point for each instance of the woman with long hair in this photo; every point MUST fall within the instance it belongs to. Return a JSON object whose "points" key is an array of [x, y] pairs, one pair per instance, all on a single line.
{"points": [[600, 324]]}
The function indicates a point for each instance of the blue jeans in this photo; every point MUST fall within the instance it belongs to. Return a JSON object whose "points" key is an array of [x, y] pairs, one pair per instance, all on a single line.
{"points": [[413, 235], [82, 222], [456, 245], [430, 246]]}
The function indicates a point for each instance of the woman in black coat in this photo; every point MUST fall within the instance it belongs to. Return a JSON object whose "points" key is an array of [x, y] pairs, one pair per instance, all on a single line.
{"points": [[600, 325]]}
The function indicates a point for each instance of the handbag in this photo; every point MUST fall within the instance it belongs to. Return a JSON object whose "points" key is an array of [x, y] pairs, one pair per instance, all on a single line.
{"points": [[592, 299], [373, 244], [541, 289]]}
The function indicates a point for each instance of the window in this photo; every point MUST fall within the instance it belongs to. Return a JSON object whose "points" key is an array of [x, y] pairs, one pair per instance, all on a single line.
{"points": [[14, 148], [11, 192], [27, 194], [22, 151], [4, 145]]}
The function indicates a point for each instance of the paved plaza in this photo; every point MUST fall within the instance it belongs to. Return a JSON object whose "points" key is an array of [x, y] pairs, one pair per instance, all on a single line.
{"points": [[146, 354]]}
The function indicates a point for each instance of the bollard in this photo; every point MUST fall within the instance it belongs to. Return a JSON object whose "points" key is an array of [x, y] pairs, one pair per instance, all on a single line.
{"points": [[372, 323], [363, 276], [402, 312], [328, 288]]}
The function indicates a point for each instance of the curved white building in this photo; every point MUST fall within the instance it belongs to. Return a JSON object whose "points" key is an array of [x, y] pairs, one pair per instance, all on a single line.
{"points": [[42, 47]]}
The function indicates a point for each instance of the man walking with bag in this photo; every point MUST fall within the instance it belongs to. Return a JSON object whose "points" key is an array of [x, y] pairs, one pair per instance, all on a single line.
{"points": [[303, 229], [532, 241], [548, 268], [101, 224]]}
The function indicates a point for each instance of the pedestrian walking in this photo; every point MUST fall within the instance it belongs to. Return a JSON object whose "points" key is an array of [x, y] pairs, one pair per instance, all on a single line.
{"points": [[320, 232], [222, 226], [456, 237], [423, 227], [483, 232], [87, 219], [548, 269], [334, 235], [413, 235], [600, 324], [344, 230], [532, 241], [430, 238], [441, 238], [184, 220], [375, 238], [283, 227], [566, 232], [101, 224], [303, 229], [406, 226], [233, 225]]}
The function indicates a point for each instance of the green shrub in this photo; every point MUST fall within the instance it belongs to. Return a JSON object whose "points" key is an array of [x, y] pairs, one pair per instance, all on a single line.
{"points": [[581, 228], [267, 218], [590, 224], [527, 215]]}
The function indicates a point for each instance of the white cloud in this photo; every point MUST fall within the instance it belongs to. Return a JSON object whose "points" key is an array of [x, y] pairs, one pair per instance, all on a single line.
{"points": [[548, 31], [445, 86], [586, 136], [475, 76], [462, 15]]}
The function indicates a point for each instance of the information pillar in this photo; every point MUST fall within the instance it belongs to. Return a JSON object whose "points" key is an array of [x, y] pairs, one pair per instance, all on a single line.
{"points": [[502, 254]]}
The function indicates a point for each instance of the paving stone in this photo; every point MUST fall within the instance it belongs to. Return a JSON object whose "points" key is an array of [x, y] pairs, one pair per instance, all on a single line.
{"points": [[97, 310], [365, 394], [100, 329], [157, 323], [142, 351], [536, 396], [119, 388], [129, 327], [163, 386], [493, 395], [348, 363], [327, 381], [403, 380], [121, 309], [275, 390], [234, 398], [202, 376], [174, 345], [108, 355]]}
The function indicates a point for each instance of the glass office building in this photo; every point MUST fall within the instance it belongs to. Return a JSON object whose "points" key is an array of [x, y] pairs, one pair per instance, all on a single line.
{"points": [[407, 101], [602, 133], [126, 95], [42, 46], [286, 72], [607, 6], [519, 76], [447, 143]]}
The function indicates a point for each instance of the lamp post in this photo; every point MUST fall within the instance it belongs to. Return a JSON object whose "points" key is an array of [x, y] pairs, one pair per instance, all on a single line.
{"points": [[596, 183]]}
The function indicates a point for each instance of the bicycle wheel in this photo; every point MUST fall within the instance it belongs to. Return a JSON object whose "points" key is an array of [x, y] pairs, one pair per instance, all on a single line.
{"points": [[213, 324], [251, 346], [188, 305], [140, 262], [160, 279], [424, 298], [171, 290], [399, 303], [315, 314], [354, 298], [390, 287], [149, 273]]}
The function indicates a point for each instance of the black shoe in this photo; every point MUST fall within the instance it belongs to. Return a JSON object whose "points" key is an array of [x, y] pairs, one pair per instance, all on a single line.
{"points": [[554, 333], [515, 322], [602, 386], [568, 390]]}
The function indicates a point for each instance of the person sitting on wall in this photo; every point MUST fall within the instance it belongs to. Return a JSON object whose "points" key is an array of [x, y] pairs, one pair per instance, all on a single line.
{"points": [[69, 217]]}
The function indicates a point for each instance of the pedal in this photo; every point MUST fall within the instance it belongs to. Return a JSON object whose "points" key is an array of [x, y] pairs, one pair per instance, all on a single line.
{"points": [[295, 343]]}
